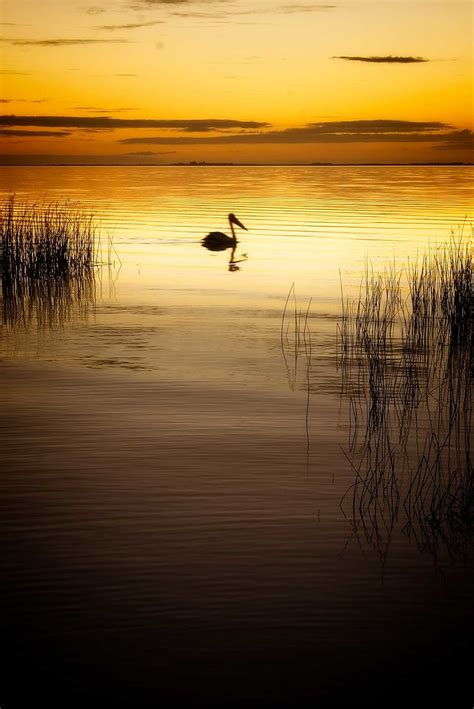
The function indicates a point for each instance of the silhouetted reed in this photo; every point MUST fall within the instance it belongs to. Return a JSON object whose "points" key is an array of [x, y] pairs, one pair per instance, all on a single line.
{"points": [[295, 337], [406, 358], [295, 341], [43, 240], [48, 255]]}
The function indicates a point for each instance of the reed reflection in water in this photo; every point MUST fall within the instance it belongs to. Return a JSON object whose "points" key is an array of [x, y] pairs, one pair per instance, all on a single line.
{"points": [[47, 302]]}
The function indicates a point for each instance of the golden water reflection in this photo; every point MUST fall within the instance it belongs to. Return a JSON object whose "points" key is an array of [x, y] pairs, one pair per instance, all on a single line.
{"points": [[174, 302]]}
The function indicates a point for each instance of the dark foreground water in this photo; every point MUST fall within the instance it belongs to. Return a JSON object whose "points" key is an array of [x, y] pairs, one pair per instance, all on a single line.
{"points": [[172, 472]]}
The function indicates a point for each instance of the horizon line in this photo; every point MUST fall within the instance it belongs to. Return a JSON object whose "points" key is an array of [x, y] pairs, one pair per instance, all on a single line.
{"points": [[204, 163]]}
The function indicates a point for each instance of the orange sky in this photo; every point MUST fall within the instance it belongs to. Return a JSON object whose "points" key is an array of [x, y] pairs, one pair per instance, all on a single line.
{"points": [[237, 81]]}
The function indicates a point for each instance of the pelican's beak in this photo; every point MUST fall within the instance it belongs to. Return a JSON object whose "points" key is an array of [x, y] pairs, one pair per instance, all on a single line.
{"points": [[234, 219]]}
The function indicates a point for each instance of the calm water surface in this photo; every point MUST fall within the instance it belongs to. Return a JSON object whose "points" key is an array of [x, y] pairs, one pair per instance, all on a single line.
{"points": [[172, 525], [169, 303]]}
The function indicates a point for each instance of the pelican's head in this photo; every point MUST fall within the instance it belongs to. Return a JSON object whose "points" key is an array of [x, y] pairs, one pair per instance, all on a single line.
{"points": [[233, 220]]}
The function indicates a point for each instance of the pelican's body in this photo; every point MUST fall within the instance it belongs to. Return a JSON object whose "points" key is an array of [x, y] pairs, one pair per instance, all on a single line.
{"points": [[217, 241]]}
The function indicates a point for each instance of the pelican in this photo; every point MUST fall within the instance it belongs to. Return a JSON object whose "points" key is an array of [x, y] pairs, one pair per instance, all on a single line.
{"points": [[217, 241]]}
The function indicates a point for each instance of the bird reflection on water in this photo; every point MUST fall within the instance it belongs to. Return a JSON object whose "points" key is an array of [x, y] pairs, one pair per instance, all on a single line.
{"points": [[217, 241], [233, 262]]}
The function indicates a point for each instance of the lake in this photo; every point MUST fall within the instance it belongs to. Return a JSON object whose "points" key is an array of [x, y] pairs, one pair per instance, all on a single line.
{"points": [[175, 454]]}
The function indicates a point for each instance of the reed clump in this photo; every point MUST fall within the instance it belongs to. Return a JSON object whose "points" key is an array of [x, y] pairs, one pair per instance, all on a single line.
{"points": [[48, 254], [406, 354], [46, 239]]}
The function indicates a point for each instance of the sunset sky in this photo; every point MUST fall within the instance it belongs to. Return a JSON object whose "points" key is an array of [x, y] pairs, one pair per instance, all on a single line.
{"points": [[237, 80]]}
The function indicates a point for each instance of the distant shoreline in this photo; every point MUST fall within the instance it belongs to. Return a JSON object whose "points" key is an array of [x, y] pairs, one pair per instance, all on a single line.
{"points": [[230, 164]]}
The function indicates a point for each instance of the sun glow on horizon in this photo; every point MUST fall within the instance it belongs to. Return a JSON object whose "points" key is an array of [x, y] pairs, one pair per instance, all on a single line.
{"points": [[272, 71]]}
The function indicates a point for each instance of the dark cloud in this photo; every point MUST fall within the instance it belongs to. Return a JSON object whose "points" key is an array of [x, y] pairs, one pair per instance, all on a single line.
{"points": [[23, 100], [146, 4], [61, 42], [233, 132], [309, 7], [458, 140], [218, 9], [150, 153], [287, 137], [375, 126], [193, 14], [130, 26], [7, 72], [299, 7], [94, 109], [93, 130], [377, 131], [34, 133], [94, 10], [191, 126], [284, 9], [224, 13], [384, 60], [125, 74]]}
